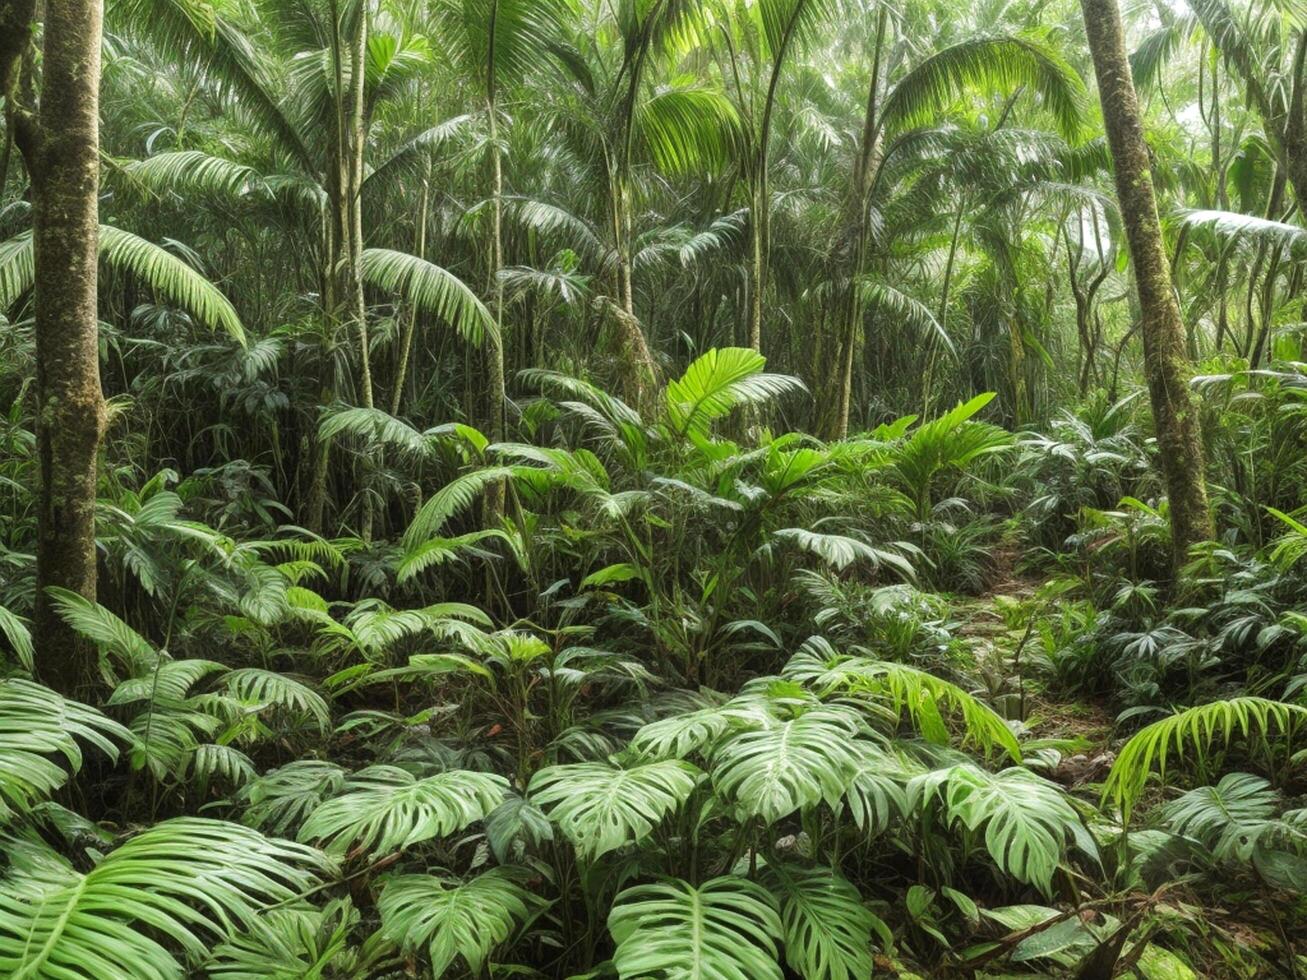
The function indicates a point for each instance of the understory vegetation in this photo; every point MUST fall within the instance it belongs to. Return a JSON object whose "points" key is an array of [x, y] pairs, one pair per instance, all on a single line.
{"points": [[651, 489]]}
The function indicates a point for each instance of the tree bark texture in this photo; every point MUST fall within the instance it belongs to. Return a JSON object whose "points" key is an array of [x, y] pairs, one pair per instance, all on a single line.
{"points": [[61, 146], [1175, 413]]}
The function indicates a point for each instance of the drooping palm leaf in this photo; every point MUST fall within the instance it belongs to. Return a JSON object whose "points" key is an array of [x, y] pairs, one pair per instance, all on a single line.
{"points": [[152, 266], [1005, 63], [187, 881], [1191, 733], [36, 723], [429, 288]]}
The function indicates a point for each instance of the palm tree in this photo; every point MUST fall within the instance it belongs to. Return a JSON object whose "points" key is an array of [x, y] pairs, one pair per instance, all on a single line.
{"points": [[770, 32], [327, 187], [894, 111], [498, 42]]}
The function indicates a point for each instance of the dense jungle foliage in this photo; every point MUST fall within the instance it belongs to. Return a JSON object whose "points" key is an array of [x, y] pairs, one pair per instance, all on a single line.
{"points": [[653, 489]]}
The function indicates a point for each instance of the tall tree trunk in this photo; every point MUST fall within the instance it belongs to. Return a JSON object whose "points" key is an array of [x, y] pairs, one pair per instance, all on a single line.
{"points": [[864, 171], [62, 148], [498, 395], [357, 138], [411, 314], [1175, 415]]}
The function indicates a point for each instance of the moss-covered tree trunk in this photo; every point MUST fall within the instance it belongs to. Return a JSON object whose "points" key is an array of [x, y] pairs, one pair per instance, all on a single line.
{"points": [[1175, 414], [61, 143]]}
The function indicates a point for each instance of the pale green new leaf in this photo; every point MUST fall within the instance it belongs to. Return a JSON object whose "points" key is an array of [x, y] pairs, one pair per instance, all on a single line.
{"points": [[719, 381]]}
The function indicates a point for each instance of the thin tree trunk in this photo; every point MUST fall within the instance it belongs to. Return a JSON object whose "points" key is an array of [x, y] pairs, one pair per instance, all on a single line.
{"points": [[864, 169], [498, 396], [62, 150], [1175, 415], [410, 319], [357, 136], [357, 140]]}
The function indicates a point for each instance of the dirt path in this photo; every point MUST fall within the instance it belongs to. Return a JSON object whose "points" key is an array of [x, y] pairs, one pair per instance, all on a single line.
{"points": [[994, 627]]}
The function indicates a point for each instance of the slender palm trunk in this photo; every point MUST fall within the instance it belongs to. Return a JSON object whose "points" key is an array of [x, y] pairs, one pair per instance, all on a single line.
{"points": [[758, 281], [411, 314], [954, 241], [864, 170], [1175, 415], [498, 396], [358, 302], [356, 138], [62, 149]]}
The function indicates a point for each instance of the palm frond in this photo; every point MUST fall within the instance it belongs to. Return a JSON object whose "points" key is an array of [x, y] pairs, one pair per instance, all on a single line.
{"points": [[187, 881], [688, 129], [36, 723], [154, 267], [882, 299], [1191, 734], [429, 288], [454, 497], [195, 32], [1005, 63], [718, 382]]}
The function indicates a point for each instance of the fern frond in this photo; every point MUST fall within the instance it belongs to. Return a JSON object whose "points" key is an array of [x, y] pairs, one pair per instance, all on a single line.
{"points": [[1194, 730]]}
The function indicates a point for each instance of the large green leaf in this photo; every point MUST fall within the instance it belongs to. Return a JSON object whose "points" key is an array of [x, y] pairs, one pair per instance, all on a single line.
{"points": [[600, 808], [154, 267], [726, 929], [429, 288], [157, 902], [719, 381], [388, 809], [1026, 819], [36, 723], [454, 919], [827, 927], [788, 765]]}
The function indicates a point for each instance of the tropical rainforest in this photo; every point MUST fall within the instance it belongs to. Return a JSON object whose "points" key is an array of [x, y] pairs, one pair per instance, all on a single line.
{"points": [[677, 489]]}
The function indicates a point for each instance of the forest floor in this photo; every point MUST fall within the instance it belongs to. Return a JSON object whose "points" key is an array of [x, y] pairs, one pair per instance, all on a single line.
{"points": [[992, 638]]}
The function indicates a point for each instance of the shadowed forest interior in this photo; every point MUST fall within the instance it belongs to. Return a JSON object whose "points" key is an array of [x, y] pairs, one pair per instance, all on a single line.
{"points": [[677, 489]]}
